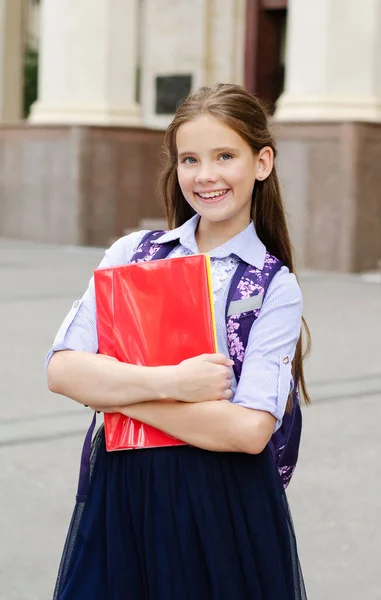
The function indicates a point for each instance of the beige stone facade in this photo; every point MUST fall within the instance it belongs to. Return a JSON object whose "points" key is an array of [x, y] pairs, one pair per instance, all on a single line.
{"points": [[83, 169], [200, 38], [329, 122]]}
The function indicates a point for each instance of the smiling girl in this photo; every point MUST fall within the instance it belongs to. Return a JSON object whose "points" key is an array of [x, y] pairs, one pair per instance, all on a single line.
{"points": [[208, 520]]}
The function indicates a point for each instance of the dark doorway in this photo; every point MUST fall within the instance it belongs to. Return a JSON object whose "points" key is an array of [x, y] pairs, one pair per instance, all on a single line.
{"points": [[265, 44]]}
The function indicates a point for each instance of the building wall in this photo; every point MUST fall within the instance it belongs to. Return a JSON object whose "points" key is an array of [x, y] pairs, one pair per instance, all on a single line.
{"points": [[77, 185], [87, 184], [200, 38], [97, 182], [331, 180]]}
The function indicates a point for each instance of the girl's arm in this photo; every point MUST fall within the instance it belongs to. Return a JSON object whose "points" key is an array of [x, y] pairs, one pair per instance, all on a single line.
{"points": [[217, 426], [101, 381]]}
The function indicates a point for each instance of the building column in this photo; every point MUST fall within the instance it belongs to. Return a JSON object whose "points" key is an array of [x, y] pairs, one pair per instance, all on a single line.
{"points": [[11, 61], [88, 63], [333, 61]]}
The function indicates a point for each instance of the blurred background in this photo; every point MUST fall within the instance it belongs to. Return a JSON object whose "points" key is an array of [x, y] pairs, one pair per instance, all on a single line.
{"points": [[86, 92]]}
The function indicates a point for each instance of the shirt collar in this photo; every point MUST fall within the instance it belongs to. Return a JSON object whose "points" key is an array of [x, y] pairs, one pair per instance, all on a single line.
{"points": [[246, 245]]}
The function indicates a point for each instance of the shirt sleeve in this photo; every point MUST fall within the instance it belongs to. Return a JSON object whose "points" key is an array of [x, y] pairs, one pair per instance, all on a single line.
{"points": [[79, 330], [266, 379]]}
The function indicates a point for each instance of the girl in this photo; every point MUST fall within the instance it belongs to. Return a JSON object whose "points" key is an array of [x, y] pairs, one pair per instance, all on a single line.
{"points": [[208, 520]]}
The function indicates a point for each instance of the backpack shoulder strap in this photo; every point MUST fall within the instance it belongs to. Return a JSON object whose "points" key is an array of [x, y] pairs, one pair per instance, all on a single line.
{"points": [[246, 295], [148, 250]]}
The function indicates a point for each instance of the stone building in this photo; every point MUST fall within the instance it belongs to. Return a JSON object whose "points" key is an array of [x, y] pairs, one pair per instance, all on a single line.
{"points": [[82, 169]]}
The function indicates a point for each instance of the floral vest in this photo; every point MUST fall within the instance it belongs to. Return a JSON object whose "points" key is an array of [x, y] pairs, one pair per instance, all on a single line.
{"points": [[247, 283]]}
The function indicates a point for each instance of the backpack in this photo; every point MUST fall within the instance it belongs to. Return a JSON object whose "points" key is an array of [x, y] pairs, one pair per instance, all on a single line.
{"points": [[247, 282]]}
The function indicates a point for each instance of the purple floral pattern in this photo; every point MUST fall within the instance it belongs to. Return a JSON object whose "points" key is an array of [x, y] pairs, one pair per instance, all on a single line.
{"points": [[254, 282], [147, 249], [286, 473], [236, 347]]}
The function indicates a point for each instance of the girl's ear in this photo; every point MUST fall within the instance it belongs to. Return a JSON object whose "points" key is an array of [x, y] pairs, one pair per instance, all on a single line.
{"points": [[265, 163]]}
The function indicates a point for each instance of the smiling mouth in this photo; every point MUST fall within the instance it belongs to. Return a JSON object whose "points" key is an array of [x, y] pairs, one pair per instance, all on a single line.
{"points": [[212, 196]]}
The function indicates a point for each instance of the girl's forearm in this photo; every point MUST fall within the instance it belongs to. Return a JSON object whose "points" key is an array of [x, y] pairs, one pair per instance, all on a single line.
{"points": [[217, 426], [100, 381]]}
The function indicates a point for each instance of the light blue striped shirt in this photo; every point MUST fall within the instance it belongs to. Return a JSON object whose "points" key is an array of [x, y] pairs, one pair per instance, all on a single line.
{"points": [[266, 377]]}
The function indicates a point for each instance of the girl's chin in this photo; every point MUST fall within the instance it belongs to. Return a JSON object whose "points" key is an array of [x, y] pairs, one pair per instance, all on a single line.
{"points": [[215, 216]]}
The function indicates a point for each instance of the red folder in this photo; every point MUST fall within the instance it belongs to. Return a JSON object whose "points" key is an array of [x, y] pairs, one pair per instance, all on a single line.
{"points": [[153, 313]]}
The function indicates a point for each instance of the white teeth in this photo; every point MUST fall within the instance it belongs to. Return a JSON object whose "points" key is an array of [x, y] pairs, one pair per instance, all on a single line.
{"points": [[212, 194]]}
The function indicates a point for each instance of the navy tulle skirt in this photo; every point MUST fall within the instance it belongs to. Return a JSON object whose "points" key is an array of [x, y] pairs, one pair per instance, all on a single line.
{"points": [[181, 523]]}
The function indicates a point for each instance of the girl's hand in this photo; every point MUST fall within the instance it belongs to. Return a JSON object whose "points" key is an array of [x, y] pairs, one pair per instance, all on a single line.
{"points": [[204, 378]]}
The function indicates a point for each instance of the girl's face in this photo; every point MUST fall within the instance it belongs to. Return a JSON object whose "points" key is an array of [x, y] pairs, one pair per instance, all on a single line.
{"points": [[217, 170]]}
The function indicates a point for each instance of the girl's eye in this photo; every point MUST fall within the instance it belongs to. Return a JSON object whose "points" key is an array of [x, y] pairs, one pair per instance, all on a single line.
{"points": [[225, 156], [189, 160]]}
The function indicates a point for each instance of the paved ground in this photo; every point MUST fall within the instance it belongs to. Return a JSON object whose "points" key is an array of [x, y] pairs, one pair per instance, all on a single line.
{"points": [[335, 495]]}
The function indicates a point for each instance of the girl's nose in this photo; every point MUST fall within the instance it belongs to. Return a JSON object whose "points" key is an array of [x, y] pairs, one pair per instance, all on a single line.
{"points": [[206, 174]]}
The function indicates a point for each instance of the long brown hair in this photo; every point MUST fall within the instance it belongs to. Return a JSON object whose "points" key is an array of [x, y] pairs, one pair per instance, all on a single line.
{"points": [[245, 114]]}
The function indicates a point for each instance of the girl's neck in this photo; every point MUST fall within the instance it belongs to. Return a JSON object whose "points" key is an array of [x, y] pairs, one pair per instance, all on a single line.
{"points": [[210, 235]]}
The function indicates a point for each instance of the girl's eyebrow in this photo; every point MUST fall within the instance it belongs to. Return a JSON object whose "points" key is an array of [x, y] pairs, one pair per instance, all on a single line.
{"points": [[213, 150]]}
